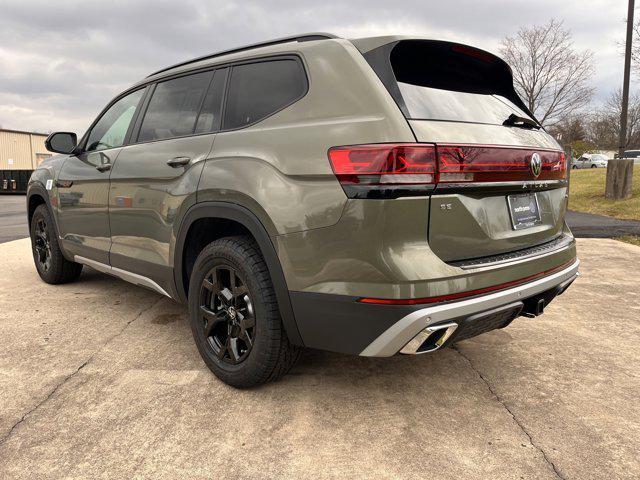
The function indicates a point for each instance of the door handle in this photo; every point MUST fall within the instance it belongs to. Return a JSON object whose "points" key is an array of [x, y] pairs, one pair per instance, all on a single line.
{"points": [[104, 167], [178, 162]]}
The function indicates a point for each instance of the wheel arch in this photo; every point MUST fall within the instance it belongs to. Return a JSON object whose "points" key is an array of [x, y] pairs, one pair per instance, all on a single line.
{"points": [[37, 194], [248, 221]]}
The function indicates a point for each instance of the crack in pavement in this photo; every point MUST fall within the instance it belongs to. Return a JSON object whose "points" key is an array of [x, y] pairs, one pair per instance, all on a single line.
{"points": [[515, 419], [75, 372]]}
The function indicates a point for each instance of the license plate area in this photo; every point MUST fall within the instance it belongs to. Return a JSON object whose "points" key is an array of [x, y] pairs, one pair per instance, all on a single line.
{"points": [[524, 210]]}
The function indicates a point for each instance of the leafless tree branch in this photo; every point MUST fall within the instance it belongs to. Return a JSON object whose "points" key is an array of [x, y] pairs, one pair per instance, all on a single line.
{"points": [[603, 127], [550, 75]]}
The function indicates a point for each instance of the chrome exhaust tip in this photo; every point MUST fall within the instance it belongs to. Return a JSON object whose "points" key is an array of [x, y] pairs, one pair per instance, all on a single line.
{"points": [[430, 339]]}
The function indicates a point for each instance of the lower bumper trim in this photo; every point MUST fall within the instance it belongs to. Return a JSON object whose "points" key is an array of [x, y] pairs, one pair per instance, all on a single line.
{"points": [[396, 337]]}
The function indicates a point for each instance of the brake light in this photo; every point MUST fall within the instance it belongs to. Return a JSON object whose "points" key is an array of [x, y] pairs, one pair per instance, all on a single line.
{"points": [[384, 164], [478, 163], [474, 52], [392, 170]]}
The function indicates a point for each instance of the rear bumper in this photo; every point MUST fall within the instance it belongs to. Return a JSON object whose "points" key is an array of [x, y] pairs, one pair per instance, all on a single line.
{"points": [[339, 323]]}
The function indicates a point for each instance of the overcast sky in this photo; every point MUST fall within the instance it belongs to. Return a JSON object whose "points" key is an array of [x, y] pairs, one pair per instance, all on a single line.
{"points": [[61, 62]]}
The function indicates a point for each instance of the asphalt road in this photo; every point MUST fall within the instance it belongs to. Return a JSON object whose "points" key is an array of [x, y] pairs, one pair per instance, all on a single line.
{"points": [[13, 217], [587, 225], [101, 379]]}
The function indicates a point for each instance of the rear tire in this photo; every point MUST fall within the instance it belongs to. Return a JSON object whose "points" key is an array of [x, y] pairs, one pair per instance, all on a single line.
{"points": [[234, 315], [50, 263]]}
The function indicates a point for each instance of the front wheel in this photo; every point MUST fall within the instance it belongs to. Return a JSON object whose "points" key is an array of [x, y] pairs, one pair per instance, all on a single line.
{"points": [[594, 166], [50, 263], [235, 320]]}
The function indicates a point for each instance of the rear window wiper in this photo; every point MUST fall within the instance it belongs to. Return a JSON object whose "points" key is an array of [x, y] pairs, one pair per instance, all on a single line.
{"points": [[522, 122]]}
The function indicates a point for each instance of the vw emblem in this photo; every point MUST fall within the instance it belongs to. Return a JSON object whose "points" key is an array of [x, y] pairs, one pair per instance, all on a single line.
{"points": [[536, 165]]}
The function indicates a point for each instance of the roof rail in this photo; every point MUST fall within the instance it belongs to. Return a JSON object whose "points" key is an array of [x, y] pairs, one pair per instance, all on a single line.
{"points": [[295, 38]]}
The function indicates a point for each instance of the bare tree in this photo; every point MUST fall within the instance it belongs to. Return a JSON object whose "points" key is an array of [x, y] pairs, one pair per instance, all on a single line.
{"points": [[610, 114], [635, 50], [603, 126], [602, 130], [551, 76], [570, 129]]}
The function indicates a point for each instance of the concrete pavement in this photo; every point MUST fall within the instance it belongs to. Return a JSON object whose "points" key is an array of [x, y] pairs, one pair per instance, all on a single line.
{"points": [[100, 379]]}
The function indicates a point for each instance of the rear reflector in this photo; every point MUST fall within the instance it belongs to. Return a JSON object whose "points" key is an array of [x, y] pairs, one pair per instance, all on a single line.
{"points": [[478, 163], [384, 164], [460, 295]]}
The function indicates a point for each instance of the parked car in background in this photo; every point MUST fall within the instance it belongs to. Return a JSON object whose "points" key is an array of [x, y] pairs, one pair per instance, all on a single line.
{"points": [[635, 154], [376, 196], [595, 160]]}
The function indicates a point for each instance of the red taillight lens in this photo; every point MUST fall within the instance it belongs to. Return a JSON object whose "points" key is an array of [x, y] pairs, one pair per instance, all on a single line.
{"points": [[381, 164], [394, 170], [477, 163]]}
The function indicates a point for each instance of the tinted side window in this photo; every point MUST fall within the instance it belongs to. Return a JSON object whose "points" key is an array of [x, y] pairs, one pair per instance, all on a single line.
{"points": [[209, 118], [174, 107], [111, 129], [257, 90]]}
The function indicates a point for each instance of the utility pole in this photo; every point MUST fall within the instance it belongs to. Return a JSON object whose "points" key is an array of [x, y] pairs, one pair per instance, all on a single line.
{"points": [[620, 171]]}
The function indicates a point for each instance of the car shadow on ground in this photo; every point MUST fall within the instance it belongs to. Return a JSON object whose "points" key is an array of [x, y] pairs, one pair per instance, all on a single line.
{"points": [[317, 368]]}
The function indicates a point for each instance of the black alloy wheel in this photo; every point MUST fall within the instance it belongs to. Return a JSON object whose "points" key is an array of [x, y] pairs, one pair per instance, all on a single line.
{"points": [[42, 245], [227, 315], [234, 314], [51, 264]]}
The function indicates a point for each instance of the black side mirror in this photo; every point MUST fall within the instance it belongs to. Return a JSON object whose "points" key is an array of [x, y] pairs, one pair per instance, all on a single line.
{"points": [[61, 142]]}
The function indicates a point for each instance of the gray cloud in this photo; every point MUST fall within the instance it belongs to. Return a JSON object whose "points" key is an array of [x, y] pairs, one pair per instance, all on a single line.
{"points": [[60, 62]]}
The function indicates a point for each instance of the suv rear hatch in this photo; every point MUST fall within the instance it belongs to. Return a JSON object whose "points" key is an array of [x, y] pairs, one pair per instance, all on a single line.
{"points": [[500, 180]]}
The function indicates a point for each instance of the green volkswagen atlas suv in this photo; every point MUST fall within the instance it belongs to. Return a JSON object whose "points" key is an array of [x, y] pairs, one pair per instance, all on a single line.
{"points": [[378, 196]]}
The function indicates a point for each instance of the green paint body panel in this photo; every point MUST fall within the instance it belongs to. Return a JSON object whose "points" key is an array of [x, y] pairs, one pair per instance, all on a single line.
{"points": [[379, 249], [82, 209], [147, 198]]}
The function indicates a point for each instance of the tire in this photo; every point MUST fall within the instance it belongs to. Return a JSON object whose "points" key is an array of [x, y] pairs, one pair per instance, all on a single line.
{"points": [[51, 265], [574, 167], [236, 324], [594, 166]]}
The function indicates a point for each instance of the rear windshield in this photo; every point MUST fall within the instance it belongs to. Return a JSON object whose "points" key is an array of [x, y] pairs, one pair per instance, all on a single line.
{"points": [[445, 81]]}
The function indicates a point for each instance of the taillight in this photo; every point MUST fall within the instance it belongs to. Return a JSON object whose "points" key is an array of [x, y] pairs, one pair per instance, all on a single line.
{"points": [[391, 170], [381, 164], [471, 163]]}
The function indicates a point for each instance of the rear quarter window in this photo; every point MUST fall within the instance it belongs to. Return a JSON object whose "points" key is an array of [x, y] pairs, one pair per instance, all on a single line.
{"points": [[257, 90]]}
